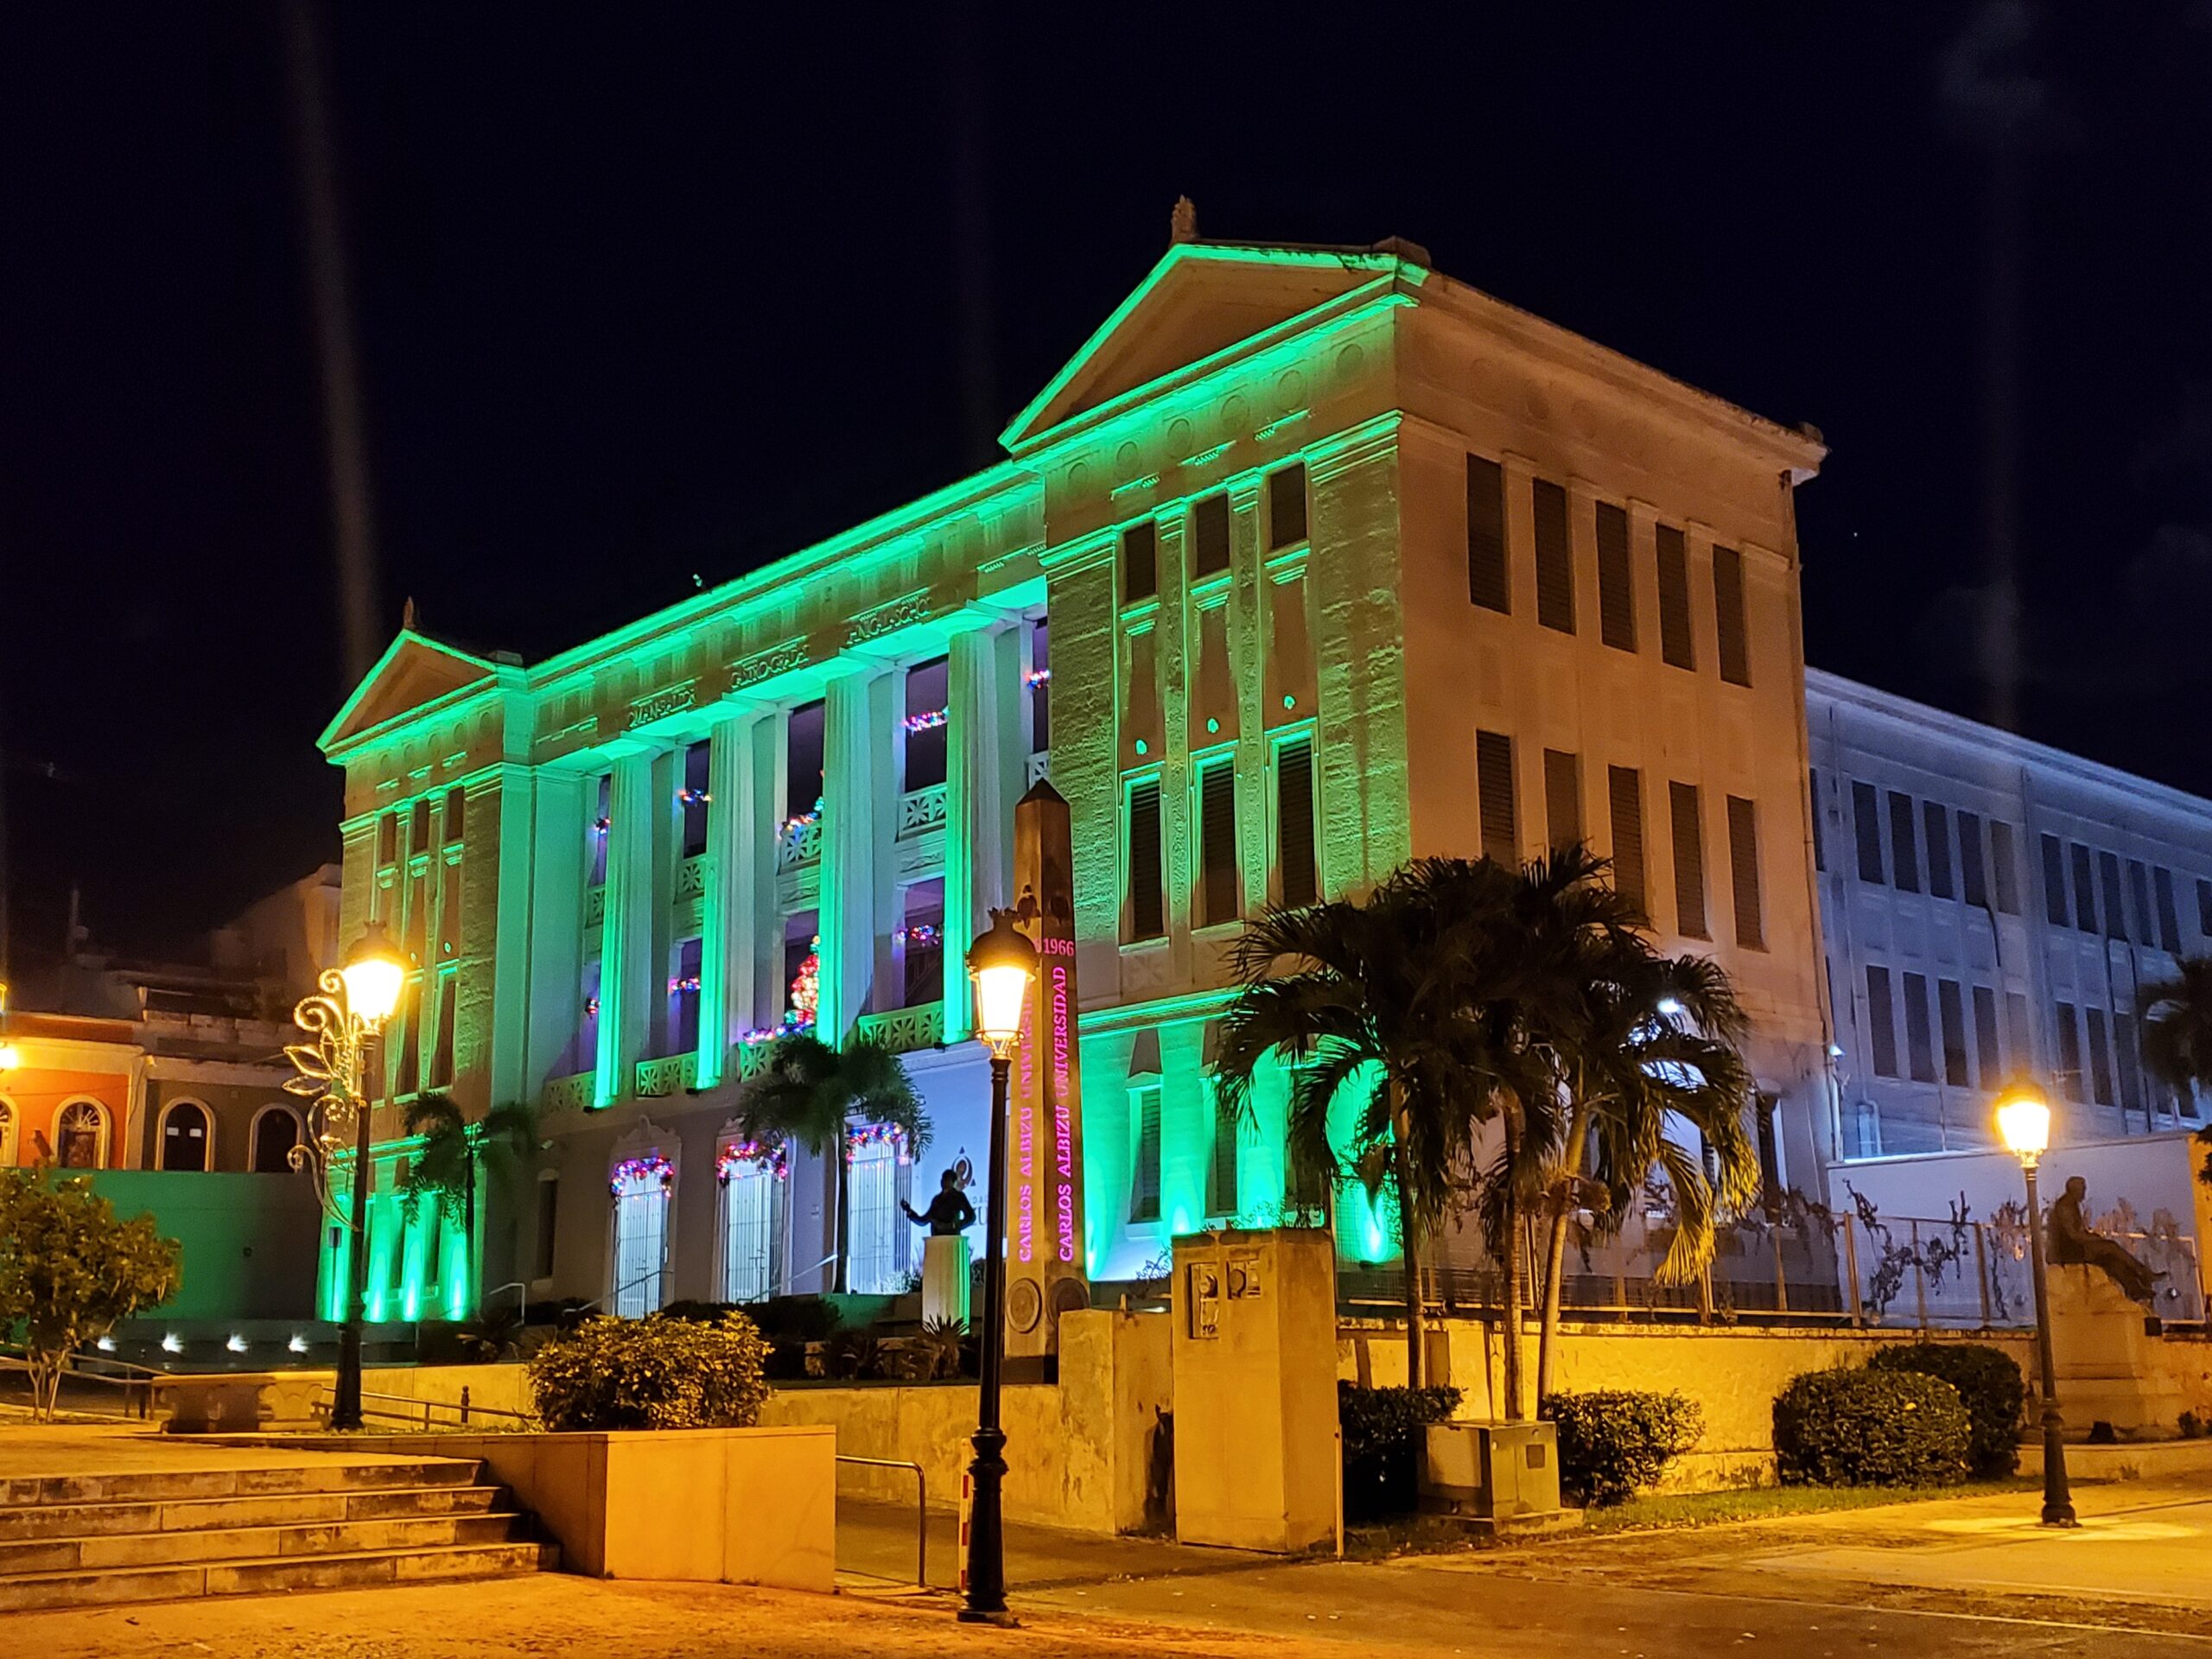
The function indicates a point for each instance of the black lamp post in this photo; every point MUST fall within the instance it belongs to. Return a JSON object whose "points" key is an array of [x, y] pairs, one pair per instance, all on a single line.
{"points": [[1003, 966], [2024, 1121]]}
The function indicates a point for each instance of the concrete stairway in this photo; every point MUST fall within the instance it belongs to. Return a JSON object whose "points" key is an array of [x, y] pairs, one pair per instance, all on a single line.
{"points": [[156, 1535]]}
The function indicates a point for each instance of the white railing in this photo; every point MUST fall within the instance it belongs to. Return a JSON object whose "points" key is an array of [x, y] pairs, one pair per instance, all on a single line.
{"points": [[1041, 766], [920, 810], [904, 1030], [669, 1075], [799, 843]]}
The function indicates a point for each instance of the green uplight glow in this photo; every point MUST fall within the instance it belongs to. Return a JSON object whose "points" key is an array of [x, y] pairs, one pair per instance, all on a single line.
{"points": [[1141, 749], [1213, 725]]}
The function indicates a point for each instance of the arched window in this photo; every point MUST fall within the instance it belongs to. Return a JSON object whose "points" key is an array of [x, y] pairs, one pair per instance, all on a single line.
{"points": [[185, 1137], [754, 1184], [881, 1244], [642, 1187], [81, 1136], [7, 1135], [276, 1132]]}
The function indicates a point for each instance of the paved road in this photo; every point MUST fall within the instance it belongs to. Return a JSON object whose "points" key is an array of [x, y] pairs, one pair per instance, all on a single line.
{"points": [[1966, 1578]]}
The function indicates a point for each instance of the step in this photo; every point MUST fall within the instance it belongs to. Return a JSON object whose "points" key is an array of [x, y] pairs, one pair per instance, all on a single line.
{"points": [[81, 1520], [134, 1549], [268, 1574], [161, 1485]]}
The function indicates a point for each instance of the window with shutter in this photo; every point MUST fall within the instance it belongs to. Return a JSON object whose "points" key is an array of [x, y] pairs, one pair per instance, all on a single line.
{"points": [[1904, 843], [1222, 898], [1488, 583], [2003, 866], [442, 1052], [1731, 627], [1819, 847], [2085, 889], [1562, 799], [456, 811], [1881, 1023], [2138, 889], [1919, 1042], [2168, 920], [1554, 558], [1866, 824], [1624, 797], [1689, 861], [1286, 506], [1951, 1010], [2115, 908], [1139, 562], [1744, 872], [1675, 641], [1937, 823], [2055, 910], [1221, 1174], [1209, 536], [1974, 881], [2018, 1038], [1144, 1179], [1147, 896], [1616, 581], [2100, 1058], [1494, 797], [1300, 873], [2069, 1051], [1985, 1037]]}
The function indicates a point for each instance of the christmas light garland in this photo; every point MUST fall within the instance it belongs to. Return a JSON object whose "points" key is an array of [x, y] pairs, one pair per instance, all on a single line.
{"points": [[775, 1159], [876, 1135], [652, 1167]]}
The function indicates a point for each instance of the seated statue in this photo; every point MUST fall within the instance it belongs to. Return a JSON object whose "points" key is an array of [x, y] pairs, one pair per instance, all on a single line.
{"points": [[2073, 1242]]}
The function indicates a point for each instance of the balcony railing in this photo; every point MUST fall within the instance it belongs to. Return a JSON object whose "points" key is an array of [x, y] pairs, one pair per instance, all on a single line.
{"points": [[691, 877], [921, 810], [595, 905], [568, 1094], [904, 1030], [670, 1075], [799, 843], [1041, 766]]}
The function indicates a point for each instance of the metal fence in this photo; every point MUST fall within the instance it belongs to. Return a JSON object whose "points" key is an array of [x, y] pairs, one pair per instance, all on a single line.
{"points": [[1901, 1271]]}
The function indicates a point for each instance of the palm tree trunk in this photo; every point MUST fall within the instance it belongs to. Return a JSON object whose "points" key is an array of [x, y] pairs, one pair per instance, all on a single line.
{"points": [[1410, 1244], [1578, 1138], [1512, 1321]]}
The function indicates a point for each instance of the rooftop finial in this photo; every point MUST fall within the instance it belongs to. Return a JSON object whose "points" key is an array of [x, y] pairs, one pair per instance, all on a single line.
{"points": [[407, 616], [1183, 226]]}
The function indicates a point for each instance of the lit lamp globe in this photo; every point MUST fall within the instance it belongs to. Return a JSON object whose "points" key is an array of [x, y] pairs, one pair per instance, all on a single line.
{"points": [[10, 1057], [2024, 1121], [1003, 965], [374, 971]]}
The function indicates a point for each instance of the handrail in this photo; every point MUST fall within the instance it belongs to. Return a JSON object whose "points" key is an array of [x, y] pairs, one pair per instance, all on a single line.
{"points": [[464, 1410], [921, 1510]]}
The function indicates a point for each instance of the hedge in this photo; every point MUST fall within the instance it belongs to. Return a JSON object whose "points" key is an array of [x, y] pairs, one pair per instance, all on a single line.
{"points": [[1990, 1387], [1864, 1427], [1383, 1443], [1615, 1442], [655, 1372]]}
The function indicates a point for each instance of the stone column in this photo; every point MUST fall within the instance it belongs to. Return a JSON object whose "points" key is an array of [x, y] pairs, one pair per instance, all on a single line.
{"points": [[625, 969], [980, 735], [740, 835], [856, 756]]}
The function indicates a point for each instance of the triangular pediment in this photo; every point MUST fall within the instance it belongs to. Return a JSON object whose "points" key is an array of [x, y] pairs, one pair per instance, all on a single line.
{"points": [[413, 673], [1201, 300]]}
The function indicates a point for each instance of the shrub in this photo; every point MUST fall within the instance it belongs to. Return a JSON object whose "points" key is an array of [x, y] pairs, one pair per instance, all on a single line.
{"points": [[651, 1373], [1990, 1387], [1614, 1442], [1383, 1442], [1857, 1427]]}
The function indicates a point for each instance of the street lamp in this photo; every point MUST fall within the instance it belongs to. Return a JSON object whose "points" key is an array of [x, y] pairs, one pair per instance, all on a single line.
{"points": [[1003, 966], [339, 1070], [2024, 1121]]}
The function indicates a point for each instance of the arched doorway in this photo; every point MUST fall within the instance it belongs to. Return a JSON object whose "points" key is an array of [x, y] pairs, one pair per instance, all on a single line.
{"points": [[185, 1137]]}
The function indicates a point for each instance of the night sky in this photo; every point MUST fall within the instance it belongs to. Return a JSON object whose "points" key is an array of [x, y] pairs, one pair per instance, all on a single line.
{"points": [[642, 298]]}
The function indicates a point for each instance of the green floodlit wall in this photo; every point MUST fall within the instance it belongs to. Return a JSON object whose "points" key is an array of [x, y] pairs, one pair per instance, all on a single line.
{"points": [[249, 1241], [400, 1290]]}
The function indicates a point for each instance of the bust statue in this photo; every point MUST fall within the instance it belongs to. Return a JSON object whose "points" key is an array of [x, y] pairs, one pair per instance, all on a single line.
{"points": [[2073, 1243]]}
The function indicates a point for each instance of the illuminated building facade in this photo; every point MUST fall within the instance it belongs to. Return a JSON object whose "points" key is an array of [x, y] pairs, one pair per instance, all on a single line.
{"points": [[1309, 561], [1993, 905]]}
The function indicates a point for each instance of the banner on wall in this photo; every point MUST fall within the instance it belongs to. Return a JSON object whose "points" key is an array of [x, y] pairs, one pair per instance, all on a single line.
{"points": [[1044, 1260]]}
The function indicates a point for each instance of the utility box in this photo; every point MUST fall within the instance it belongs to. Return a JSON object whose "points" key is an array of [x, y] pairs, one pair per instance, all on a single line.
{"points": [[1255, 1389], [1501, 1473]]}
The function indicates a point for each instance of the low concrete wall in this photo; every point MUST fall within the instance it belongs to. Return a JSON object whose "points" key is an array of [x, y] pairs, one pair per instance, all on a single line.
{"points": [[728, 1505], [1086, 1454], [1732, 1373]]}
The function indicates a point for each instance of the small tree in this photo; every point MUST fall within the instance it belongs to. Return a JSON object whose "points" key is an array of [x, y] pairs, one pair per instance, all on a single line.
{"points": [[70, 1272]]}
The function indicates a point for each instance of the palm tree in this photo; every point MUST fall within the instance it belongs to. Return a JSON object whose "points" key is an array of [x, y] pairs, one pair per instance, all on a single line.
{"points": [[2178, 1034], [1382, 1005], [444, 1166], [811, 1093], [1656, 1039]]}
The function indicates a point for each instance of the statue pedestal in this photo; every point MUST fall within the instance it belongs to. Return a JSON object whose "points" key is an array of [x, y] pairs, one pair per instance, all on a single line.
{"points": [[945, 1279], [2110, 1368]]}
